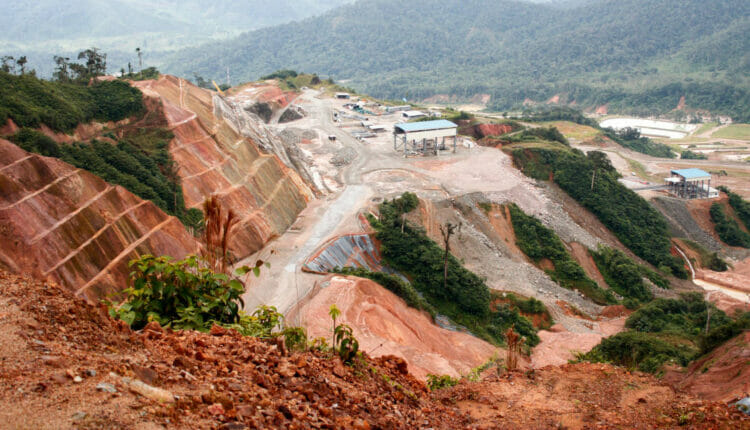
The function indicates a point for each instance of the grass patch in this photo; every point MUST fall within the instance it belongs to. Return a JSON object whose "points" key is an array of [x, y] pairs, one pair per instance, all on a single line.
{"points": [[734, 131]]}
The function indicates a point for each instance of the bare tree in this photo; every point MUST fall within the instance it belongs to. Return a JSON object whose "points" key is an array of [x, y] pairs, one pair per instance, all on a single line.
{"points": [[61, 72], [447, 231], [140, 58], [216, 234]]}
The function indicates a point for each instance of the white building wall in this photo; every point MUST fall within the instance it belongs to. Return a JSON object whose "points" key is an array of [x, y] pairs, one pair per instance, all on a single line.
{"points": [[430, 134]]}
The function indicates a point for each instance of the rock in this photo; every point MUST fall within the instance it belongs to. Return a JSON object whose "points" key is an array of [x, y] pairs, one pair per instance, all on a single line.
{"points": [[106, 387], [284, 409], [339, 370], [292, 113], [79, 415], [145, 390], [217, 330], [145, 374], [60, 378], [91, 372], [216, 409], [233, 426], [54, 361], [77, 379]]}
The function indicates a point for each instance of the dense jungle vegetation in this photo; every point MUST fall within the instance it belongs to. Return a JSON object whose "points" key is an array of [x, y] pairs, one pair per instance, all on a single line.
{"points": [[539, 242], [136, 157], [669, 330], [592, 181], [637, 57]]}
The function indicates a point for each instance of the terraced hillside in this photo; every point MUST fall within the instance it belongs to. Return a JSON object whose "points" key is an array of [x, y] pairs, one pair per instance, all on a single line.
{"points": [[214, 158], [68, 225]]}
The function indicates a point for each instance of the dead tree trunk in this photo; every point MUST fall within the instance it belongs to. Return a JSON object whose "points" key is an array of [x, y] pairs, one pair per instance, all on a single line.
{"points": [[447, 231]]}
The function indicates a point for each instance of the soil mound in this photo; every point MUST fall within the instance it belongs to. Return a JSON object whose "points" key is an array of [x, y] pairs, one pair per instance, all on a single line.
{"points": [[723, 375], [584, 395], [385, 325], [66, 364]]}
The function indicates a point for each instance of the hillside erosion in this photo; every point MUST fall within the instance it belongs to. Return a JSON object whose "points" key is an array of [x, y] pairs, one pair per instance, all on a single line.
{"points": [[215, 158], [65, 224], [68, 225], [385, 325]]}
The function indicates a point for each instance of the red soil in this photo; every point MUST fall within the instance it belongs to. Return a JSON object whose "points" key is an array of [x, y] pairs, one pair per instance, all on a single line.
{"points": [[723, 375], [385, 325], [581, 255]]}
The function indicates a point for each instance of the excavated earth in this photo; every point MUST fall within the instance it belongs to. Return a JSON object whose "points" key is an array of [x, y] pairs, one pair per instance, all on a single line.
{"points": [[65, 224], [66, 364], [722, 375], [68, 225], [385, 325], [214, 157]]}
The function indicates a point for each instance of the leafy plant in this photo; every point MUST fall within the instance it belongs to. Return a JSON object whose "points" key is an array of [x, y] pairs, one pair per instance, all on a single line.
{"points": [[344, 342], [182, 294], [539, 242], [295, 338], [438, 382], [727, 228]]}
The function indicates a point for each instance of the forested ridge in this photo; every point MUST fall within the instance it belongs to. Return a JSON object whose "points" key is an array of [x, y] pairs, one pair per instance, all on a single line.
{"points": [[638, 56]]}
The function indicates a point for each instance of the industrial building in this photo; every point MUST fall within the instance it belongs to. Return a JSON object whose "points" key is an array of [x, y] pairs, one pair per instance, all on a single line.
{"points": [[413, 114], [424, 137], [691, 184]]}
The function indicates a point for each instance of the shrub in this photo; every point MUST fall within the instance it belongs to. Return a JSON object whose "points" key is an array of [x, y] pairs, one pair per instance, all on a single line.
{"points": [[622, 274], [642, 351], [179, 294], [344, 342], [438, 382], [727, 228], [466, 300], [635, 223], [539, 242]]}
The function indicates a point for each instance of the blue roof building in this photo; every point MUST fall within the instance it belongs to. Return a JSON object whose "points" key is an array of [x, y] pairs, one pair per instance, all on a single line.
{"points": [[424, 137], [691, 184]]}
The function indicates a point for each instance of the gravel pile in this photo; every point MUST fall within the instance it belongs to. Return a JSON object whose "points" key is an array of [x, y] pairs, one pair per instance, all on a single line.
{"points": [[343, 157]]}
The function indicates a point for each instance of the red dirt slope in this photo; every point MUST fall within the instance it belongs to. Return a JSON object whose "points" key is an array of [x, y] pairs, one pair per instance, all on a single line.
{"points": [[65, 364], [214, 158], [722, 376], [385, 325], [68, 225], [56, 351]]}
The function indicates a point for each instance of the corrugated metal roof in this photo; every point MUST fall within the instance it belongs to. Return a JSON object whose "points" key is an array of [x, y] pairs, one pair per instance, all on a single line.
{"points": [[410, 127], [692, 173]]}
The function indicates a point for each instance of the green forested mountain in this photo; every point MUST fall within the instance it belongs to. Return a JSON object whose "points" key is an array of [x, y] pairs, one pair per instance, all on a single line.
{"points": [[639, 56], [40, 29]]}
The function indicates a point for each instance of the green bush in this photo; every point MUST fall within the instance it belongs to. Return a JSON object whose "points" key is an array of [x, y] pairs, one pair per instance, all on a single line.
{"points": [[642, 351], [438, 382], [741, 206], [685, 316], [636, 224], [31, 102], [727, 228], [690, 155], [622, 274], [466, 300], [181, 294], [539, 242]]}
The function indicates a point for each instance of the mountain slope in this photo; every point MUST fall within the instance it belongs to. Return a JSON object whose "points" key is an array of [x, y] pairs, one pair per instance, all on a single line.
{"points": [[603, 51]]}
